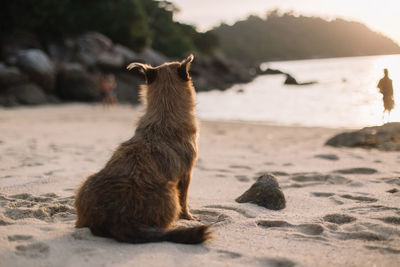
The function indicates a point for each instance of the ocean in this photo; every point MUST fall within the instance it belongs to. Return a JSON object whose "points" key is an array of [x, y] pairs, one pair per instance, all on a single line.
{"points": [[345, 95]]}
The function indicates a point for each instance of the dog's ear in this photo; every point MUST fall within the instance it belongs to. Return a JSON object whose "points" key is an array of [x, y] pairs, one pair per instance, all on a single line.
{"points": [[148, 71], [183, 69]]}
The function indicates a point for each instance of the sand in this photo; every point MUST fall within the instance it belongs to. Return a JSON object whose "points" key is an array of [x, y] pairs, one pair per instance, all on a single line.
{"points": [[343, 205]]}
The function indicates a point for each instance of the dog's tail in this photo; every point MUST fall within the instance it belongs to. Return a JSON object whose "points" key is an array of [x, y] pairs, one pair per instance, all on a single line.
{"points": [[191, 235]]}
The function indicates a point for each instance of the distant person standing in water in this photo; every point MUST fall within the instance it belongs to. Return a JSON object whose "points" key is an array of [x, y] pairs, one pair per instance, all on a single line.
{"points": [[107, 87], [386, 89]]}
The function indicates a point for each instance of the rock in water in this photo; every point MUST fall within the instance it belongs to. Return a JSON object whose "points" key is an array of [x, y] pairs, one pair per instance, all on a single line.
{"points": [[265, 192]]}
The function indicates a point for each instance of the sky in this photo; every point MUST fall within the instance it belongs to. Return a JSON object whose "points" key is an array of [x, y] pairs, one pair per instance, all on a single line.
{"points": [[379, 15]]}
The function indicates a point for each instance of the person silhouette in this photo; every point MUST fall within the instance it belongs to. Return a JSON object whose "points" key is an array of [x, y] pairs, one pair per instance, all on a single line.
{"points": [[385, 86]]}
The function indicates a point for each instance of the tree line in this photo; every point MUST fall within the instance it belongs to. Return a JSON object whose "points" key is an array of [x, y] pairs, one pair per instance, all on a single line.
{"points": [[286, 36], [134, 23], [138, 24]]}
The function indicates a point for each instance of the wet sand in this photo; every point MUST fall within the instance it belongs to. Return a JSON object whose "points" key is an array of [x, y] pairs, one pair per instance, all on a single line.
{"points": [[342, 204]]}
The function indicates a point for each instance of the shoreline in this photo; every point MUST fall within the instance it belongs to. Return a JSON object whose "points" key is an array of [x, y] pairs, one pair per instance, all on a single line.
{"points": [[136, 109]]}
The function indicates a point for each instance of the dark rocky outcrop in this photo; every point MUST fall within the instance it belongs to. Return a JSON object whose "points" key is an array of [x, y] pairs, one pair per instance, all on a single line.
{"points": [[128, 87], [265, 192], [11, 76], [385, 137], [38, 66], [25, 94], [70, 69], [77, 85]]}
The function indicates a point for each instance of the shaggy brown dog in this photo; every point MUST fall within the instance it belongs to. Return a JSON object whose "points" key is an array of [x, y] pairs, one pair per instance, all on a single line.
{"points": [[143, 188]]}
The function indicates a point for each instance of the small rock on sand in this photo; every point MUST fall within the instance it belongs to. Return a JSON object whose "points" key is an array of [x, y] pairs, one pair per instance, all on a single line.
{"points": [[264, 192]]}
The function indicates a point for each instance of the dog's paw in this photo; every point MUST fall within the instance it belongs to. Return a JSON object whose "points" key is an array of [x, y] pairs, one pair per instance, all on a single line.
{"points": [[187, 216]]}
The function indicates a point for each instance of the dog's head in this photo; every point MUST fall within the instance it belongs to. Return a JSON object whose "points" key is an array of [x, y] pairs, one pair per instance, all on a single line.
{"points": [[167, 83], [167, 70]]}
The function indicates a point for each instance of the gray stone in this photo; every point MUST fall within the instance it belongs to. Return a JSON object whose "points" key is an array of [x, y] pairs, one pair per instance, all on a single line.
{"points": [[27, 94], [10, 75], [264, 192], [76, 85], [128, 88], [327, 156], [96, 49], [38, 66]]}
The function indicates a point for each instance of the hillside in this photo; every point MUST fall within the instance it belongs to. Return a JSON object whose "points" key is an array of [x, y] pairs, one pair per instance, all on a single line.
{"points": [[284, 37]]}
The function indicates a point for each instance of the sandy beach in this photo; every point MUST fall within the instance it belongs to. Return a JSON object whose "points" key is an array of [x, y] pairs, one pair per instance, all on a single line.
{"points": [[343, 205]]}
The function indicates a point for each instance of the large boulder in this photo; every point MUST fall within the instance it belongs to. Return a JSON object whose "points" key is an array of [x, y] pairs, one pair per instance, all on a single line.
{"points": [[26, 94], [96, 49], [76, 84], [10, 76], [385, 137], [38, 66], [264, 192], [92, 50]]}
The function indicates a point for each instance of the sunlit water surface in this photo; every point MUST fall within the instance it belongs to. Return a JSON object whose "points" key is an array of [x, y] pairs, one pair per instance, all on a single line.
{"points": [[345, 95]]}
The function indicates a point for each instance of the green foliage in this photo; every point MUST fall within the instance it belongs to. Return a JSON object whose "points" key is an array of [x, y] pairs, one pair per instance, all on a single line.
{"points": [[134, 23], [285, 36]]}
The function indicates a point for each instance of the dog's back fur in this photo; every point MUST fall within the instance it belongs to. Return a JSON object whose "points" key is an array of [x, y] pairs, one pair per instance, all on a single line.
{"points": [[143, 188]]}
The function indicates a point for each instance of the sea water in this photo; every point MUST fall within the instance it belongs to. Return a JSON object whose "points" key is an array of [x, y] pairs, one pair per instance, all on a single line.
{"points": [[344, 96]]}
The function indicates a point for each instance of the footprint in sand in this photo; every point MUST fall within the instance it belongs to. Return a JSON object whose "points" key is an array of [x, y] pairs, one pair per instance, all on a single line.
{"points": [[35, 250], [212, 217], [390, 220], [46, 207], [339, 218], [356, 171], [228, 254], [13, 238], [373, 208], [268, 163], [307, 228], [277, 262], [362, 235], [327, 156], [383, 250], [359, 198], [243, 212], [392, 191], [240, 167], [242, 178], [4, 221], [321, 178], [322, 194], [310, 229], [391, 180], [68, 189]]}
